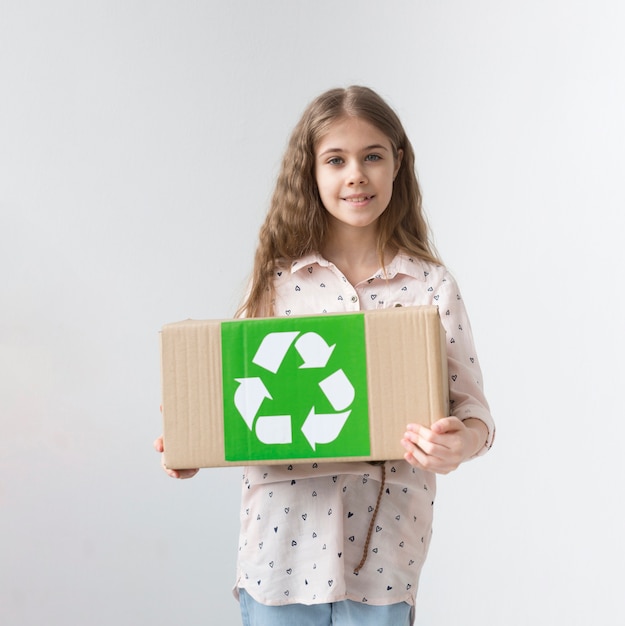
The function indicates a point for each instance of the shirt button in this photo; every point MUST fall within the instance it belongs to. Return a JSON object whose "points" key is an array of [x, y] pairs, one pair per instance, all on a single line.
{"points": [[354, 298]]}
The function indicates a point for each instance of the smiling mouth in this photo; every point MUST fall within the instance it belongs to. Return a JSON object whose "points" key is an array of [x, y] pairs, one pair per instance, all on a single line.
{"points": [[357, 199]]}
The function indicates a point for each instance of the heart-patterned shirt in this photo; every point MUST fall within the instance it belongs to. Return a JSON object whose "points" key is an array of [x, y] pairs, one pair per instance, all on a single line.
{"points": [[304, 527]]}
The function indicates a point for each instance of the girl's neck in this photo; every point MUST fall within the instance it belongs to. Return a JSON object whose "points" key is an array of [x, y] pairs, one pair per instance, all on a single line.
{"points": [[355, 256]]}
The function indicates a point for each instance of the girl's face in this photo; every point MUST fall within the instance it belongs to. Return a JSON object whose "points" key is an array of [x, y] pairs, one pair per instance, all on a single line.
{"points": [[354, 169]]}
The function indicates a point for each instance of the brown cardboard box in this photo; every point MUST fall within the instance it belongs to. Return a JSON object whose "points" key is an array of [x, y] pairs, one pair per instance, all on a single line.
{"points": [[300, 389]]}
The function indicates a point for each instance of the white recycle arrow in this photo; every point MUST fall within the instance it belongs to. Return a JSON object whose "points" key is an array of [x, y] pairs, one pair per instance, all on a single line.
{"points": [[274, 429], [338, 390], [318, 428], [272, 349], [323, 427], [249, 396], [314, 350]]}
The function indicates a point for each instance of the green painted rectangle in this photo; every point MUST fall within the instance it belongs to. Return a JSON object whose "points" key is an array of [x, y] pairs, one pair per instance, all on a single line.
{"points": [[295, 388]]}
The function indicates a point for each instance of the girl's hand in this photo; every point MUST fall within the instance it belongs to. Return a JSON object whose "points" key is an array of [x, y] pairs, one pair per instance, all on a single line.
{"points": [[186, 473], [445, 445]]}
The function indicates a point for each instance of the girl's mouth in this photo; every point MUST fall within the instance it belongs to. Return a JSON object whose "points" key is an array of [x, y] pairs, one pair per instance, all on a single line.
{"points": [[357, 199]]}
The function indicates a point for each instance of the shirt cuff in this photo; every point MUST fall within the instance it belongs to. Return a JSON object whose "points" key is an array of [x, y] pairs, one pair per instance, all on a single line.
{"points": [[478, 412]]}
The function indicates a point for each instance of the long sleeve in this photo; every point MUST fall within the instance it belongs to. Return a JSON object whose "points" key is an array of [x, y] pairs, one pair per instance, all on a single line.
{"points": [[466, 390]]}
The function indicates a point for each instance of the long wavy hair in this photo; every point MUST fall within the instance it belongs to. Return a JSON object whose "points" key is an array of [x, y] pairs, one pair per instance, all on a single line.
{"points": [[297, 222]]}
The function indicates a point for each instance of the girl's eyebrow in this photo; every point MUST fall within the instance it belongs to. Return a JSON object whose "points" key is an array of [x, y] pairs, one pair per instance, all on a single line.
{"points": [[374, 146]]}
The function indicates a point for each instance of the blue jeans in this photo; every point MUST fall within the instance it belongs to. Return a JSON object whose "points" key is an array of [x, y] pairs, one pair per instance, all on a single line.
{"points": [[343, 613]]}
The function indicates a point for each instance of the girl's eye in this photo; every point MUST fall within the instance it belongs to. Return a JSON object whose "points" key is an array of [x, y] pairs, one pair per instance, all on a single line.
{"points": [[335, 161], [373, 157]]}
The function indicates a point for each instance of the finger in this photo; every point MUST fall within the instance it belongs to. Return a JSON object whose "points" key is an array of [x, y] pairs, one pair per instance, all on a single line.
{"points": [[190, 473], [417, 428], [428, 463], [428, 455], [446, 425], [418, 458], [182, 474], [423, 439], [178, 473], [411, 460], [417, 433], [158, 444], [415, 453]]}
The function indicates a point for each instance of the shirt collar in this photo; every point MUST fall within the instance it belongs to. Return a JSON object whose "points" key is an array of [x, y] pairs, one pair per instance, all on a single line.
{"points": [[401, 264], [408, 265], [308, 260]]}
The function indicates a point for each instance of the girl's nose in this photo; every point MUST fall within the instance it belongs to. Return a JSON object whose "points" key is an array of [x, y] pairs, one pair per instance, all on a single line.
{"points": [[356, 176]]}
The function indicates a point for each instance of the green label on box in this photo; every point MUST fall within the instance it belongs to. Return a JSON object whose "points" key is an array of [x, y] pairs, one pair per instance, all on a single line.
{"points": [[295, 388]]}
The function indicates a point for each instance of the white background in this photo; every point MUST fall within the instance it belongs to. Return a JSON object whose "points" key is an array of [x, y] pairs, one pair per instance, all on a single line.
{"points": [[139, 143]]}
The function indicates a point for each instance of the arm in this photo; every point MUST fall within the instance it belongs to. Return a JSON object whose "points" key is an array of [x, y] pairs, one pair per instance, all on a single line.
{"points": [[469, 431]]}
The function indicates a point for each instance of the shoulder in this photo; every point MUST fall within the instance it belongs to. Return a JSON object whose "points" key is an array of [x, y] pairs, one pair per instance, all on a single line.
{"points": [[436, 281]]}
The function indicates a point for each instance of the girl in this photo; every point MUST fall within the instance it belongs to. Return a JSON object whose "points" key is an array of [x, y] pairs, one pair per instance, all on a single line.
{"points": [[344, 543]]}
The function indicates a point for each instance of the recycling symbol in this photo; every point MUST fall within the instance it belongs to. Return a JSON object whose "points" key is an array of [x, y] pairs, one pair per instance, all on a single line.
{"points": [[295, 388], [319, 427]]}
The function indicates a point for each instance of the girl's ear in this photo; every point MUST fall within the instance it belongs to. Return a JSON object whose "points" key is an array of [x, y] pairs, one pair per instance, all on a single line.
{"points": [[398, 159]]}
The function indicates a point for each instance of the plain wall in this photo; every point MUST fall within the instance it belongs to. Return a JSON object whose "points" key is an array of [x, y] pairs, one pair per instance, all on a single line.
{"points": [[139, 143]]}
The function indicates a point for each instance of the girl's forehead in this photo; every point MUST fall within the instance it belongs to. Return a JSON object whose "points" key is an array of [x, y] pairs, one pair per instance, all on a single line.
{"points": [[350, 132]]}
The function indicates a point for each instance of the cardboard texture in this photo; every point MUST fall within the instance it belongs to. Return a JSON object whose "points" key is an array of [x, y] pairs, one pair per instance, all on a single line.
{"points": [[337, 387]]}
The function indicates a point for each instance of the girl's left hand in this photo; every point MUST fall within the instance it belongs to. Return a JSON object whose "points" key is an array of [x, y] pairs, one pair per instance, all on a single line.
{"points": [[185, 473], [445, 445]]}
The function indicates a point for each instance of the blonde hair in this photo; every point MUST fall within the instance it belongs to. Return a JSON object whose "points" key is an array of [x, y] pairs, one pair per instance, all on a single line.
{"points": [[296, 223]]}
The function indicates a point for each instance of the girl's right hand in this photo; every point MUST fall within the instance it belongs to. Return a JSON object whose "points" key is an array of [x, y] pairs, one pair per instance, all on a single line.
{"points": [[186, 473]]}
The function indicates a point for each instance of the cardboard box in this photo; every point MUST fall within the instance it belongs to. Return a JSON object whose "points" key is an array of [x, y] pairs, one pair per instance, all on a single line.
{"points": [[295, 389]]}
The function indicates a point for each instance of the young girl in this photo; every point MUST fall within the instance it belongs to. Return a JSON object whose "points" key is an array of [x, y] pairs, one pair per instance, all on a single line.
{"points": [[344, 543]]}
